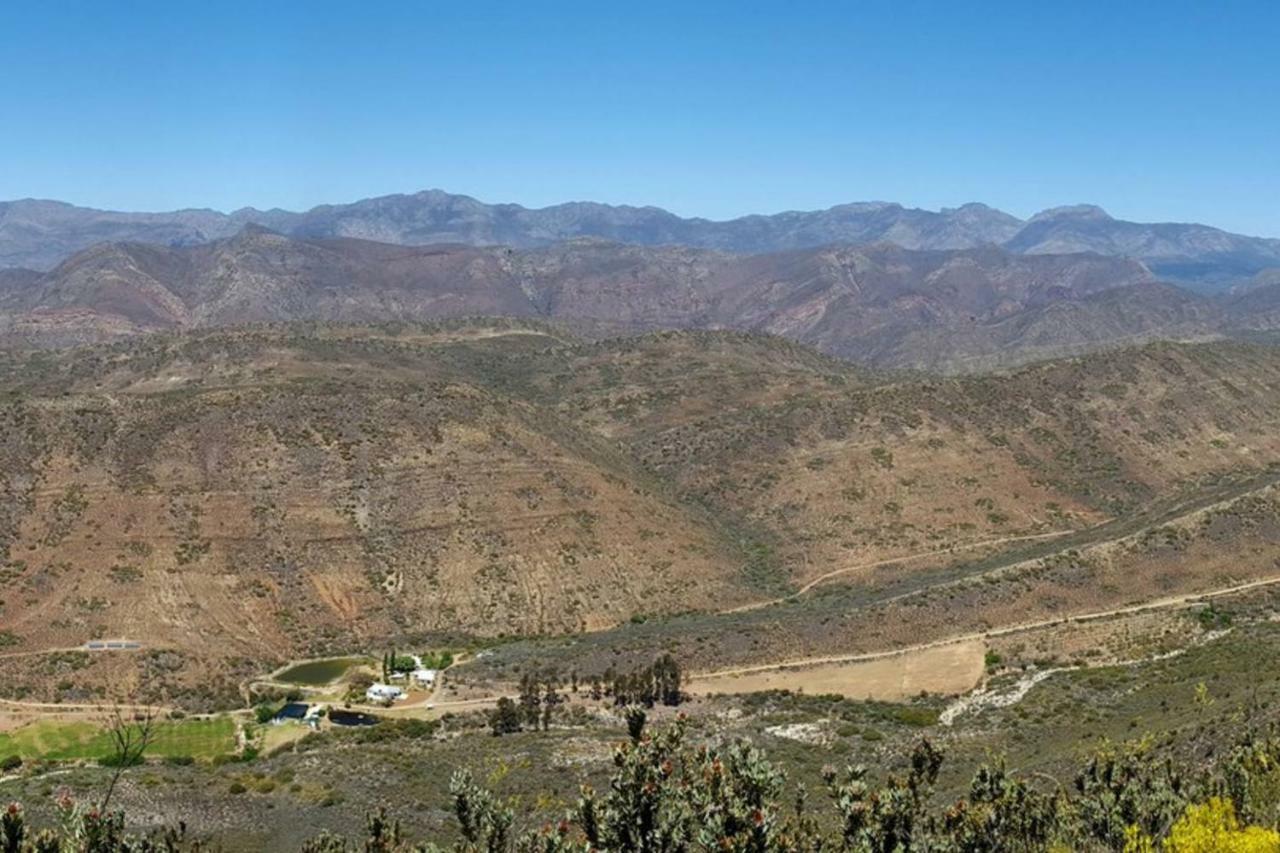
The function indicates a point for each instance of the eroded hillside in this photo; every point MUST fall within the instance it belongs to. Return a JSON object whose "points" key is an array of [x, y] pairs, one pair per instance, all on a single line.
{"points": [[235, 499], [957, 311]]}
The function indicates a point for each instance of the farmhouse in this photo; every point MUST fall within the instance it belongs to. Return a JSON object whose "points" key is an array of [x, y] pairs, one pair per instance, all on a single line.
{"points": [[424, 677], [384, 693]]}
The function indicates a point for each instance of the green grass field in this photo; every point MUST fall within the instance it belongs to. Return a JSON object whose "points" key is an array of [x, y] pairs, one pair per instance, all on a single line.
{"points": [[59, 741]]}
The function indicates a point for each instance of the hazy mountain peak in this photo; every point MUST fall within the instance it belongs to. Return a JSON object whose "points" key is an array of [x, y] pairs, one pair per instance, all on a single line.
{"points": [[863, 207], [1073, 211], [253, 229], [973, 207], [40, 234], [875, 302]]}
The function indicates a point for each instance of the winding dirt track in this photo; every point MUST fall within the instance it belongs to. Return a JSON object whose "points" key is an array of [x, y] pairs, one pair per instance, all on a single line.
{"points": [[893, 561], [76, 706], [1171, 603], [1175, 510], [33, 652], [80, 648]]}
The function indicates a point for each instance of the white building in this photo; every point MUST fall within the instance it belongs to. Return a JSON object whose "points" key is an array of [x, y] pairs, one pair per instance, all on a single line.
{"points": [[424, 677], [383, 693]]}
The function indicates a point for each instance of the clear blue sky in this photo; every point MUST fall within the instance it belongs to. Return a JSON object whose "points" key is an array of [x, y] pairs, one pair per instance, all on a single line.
{"points": [[1156, 110]]}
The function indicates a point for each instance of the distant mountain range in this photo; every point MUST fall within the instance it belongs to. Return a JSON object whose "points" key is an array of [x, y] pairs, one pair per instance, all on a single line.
{"points": [[881, 304], [41, 234]]}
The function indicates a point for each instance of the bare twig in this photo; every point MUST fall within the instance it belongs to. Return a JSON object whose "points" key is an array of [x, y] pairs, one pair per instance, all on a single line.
{"points": [[130, 736]]}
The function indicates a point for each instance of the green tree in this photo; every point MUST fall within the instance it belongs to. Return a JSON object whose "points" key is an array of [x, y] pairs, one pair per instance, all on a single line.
{"points": [[506, 718]]}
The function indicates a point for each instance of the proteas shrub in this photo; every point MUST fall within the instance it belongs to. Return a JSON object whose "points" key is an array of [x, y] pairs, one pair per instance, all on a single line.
{"points": [[85, 829], [667, 795], [1003, 813]]}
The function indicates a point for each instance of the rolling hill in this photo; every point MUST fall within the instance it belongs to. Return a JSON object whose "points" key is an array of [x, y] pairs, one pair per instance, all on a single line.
{"points": [[235, 498], [948, 310]]}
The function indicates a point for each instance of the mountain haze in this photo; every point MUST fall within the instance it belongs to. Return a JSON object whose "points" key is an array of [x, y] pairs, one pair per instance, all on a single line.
{"points": [[879, 304], [40, 234]]}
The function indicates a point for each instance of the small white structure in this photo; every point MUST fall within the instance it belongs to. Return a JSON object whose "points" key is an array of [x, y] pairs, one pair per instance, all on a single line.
{"points": [[424, 677], [383, 693], [312, 717]]}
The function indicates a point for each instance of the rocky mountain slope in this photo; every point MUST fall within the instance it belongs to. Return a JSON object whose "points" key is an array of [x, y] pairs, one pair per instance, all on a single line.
{"points": [[41, 234], [1206, 258], [232, 499], [943, 310]]}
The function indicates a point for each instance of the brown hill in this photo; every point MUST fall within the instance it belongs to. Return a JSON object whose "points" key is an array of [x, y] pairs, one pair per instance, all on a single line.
{"points": [[251, 498], [883, 305], [234, 499], [14, 284]]}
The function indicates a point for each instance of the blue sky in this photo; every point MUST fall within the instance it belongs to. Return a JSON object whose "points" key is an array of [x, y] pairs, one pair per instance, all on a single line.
{"points": [[1156, 110]]}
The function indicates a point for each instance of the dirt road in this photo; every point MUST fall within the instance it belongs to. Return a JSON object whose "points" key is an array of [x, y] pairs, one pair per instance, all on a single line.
{"points": [[893, 561], [1169, 603]]}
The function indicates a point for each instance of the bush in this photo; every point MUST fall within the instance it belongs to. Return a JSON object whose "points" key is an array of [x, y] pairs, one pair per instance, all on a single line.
{"points": [[910, 715], [1211, 827], [10, 763], [667, 794], [389, 730], [442, 659], [505, 718], [264, 711]]}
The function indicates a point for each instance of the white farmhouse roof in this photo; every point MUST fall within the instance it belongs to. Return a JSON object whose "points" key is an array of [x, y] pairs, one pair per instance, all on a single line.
{"points": [[378, 692]]}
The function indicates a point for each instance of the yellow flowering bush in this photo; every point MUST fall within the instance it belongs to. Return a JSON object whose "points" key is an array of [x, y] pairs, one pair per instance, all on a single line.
{"points": [[1210, 827]]}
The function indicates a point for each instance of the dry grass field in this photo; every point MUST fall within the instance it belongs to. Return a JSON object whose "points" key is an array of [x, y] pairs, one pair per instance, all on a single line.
{"points": [[944, 670]]}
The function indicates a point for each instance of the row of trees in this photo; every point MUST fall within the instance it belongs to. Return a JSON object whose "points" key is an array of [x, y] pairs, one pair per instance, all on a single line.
{"points": [[541, 697], [393, 662], [659, 683]]}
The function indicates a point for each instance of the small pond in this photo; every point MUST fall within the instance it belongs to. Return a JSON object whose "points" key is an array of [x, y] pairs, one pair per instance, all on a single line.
{"points": [[292, 711], [339, 717], [317, 673]]}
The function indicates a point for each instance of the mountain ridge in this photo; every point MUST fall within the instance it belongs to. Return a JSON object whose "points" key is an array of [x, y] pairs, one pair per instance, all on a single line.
{"points": [[878, 304], [38, 234]]}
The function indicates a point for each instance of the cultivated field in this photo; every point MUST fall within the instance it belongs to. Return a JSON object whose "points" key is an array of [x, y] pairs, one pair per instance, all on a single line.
{"points": [[944, 671], [60, 740]]}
